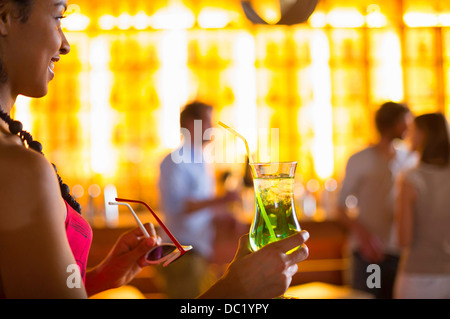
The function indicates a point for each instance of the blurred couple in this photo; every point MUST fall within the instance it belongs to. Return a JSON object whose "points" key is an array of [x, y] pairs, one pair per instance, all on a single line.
{"points": [[403, 199]]}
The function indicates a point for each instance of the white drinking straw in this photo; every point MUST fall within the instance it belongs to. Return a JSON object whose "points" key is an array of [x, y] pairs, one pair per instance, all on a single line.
{"points": [[233, 131], [258, 198]]}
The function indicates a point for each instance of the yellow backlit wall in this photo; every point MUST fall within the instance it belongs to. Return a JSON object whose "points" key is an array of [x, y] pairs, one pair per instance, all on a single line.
{"points": [[112, 110]]}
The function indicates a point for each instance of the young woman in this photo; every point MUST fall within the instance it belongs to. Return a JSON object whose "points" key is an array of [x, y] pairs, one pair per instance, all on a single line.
{"points": [[41, 233], [423, 214]]}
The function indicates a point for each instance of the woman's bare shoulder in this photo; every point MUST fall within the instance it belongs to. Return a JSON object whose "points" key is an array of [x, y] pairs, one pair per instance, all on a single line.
{"points": [[27, 182], [19, 165], [32, 227]]}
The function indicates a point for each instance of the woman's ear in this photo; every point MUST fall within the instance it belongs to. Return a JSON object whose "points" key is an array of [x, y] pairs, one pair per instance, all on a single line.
{"points": [[5, 19]]}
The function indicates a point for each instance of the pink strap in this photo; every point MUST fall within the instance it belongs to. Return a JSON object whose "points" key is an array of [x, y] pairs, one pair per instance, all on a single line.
{"points": [[79, 235]]}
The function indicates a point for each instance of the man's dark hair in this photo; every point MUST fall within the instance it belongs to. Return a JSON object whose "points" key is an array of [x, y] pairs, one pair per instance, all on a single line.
{"points": [[193, 111], [388, 115]]}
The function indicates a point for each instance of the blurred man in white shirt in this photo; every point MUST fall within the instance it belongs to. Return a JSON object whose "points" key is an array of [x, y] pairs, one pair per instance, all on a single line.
{"points": [[370, 176], [189, 202]]}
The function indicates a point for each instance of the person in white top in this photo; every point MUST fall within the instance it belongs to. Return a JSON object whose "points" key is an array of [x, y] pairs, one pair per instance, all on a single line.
{"points": [[189, 203], [369, 177], [423, 214]]}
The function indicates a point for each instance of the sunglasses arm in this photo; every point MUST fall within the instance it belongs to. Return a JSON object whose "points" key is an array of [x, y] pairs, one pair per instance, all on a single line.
{"points": [[141, 226], [166, 230]]}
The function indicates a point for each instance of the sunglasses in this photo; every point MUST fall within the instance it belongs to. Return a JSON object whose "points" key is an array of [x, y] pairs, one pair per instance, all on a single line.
{"points": [[165, 253]]}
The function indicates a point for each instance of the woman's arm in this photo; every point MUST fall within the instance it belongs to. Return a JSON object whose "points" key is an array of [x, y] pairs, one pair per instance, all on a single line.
{"points": [[404, 211], [35, 257]]}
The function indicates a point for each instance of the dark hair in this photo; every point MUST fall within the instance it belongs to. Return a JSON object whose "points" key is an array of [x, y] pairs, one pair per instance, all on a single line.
{"points": [[388, 115], [193, 111], [436, 148], [23, 8]]}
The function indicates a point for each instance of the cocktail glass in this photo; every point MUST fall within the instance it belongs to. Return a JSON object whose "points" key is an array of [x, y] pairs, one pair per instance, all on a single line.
{"points": [[275, 216]]}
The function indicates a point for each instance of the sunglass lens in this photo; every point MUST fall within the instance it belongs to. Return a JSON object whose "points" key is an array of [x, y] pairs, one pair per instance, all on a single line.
{"points": [[159, 252]]}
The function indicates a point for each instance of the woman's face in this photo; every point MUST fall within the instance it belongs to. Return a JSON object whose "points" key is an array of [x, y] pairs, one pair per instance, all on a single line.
{"points": [[30, 49]]}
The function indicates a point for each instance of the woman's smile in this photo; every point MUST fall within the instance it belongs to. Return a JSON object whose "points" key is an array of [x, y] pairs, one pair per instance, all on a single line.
{"points": [[51, 66], [50, 70]]}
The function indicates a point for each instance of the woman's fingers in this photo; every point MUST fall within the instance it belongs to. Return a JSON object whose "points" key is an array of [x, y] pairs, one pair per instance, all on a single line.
{"points": [[150, 229], [244, 247], [134, 237], [297, 255], [291, 242]]}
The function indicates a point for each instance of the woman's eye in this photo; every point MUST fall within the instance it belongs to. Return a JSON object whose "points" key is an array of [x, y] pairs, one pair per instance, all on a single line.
{"points": [[59, 18]]}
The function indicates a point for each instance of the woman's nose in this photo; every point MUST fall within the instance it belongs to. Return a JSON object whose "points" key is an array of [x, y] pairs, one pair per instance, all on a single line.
{"points": [[65, 46]]}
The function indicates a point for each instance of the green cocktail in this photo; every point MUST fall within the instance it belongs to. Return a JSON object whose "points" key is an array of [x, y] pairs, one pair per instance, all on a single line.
{"points": [[275, 216]]}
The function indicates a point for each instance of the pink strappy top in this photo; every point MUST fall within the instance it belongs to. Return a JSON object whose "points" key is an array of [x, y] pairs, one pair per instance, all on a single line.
{"points": [[79, 234]]}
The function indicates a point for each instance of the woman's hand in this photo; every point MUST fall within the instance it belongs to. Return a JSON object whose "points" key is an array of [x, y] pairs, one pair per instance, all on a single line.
{"points": [[266, 273], [123, 262]]}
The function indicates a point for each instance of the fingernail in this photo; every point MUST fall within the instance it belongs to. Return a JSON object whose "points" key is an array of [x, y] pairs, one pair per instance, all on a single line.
{"points": [[305, 235]]}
